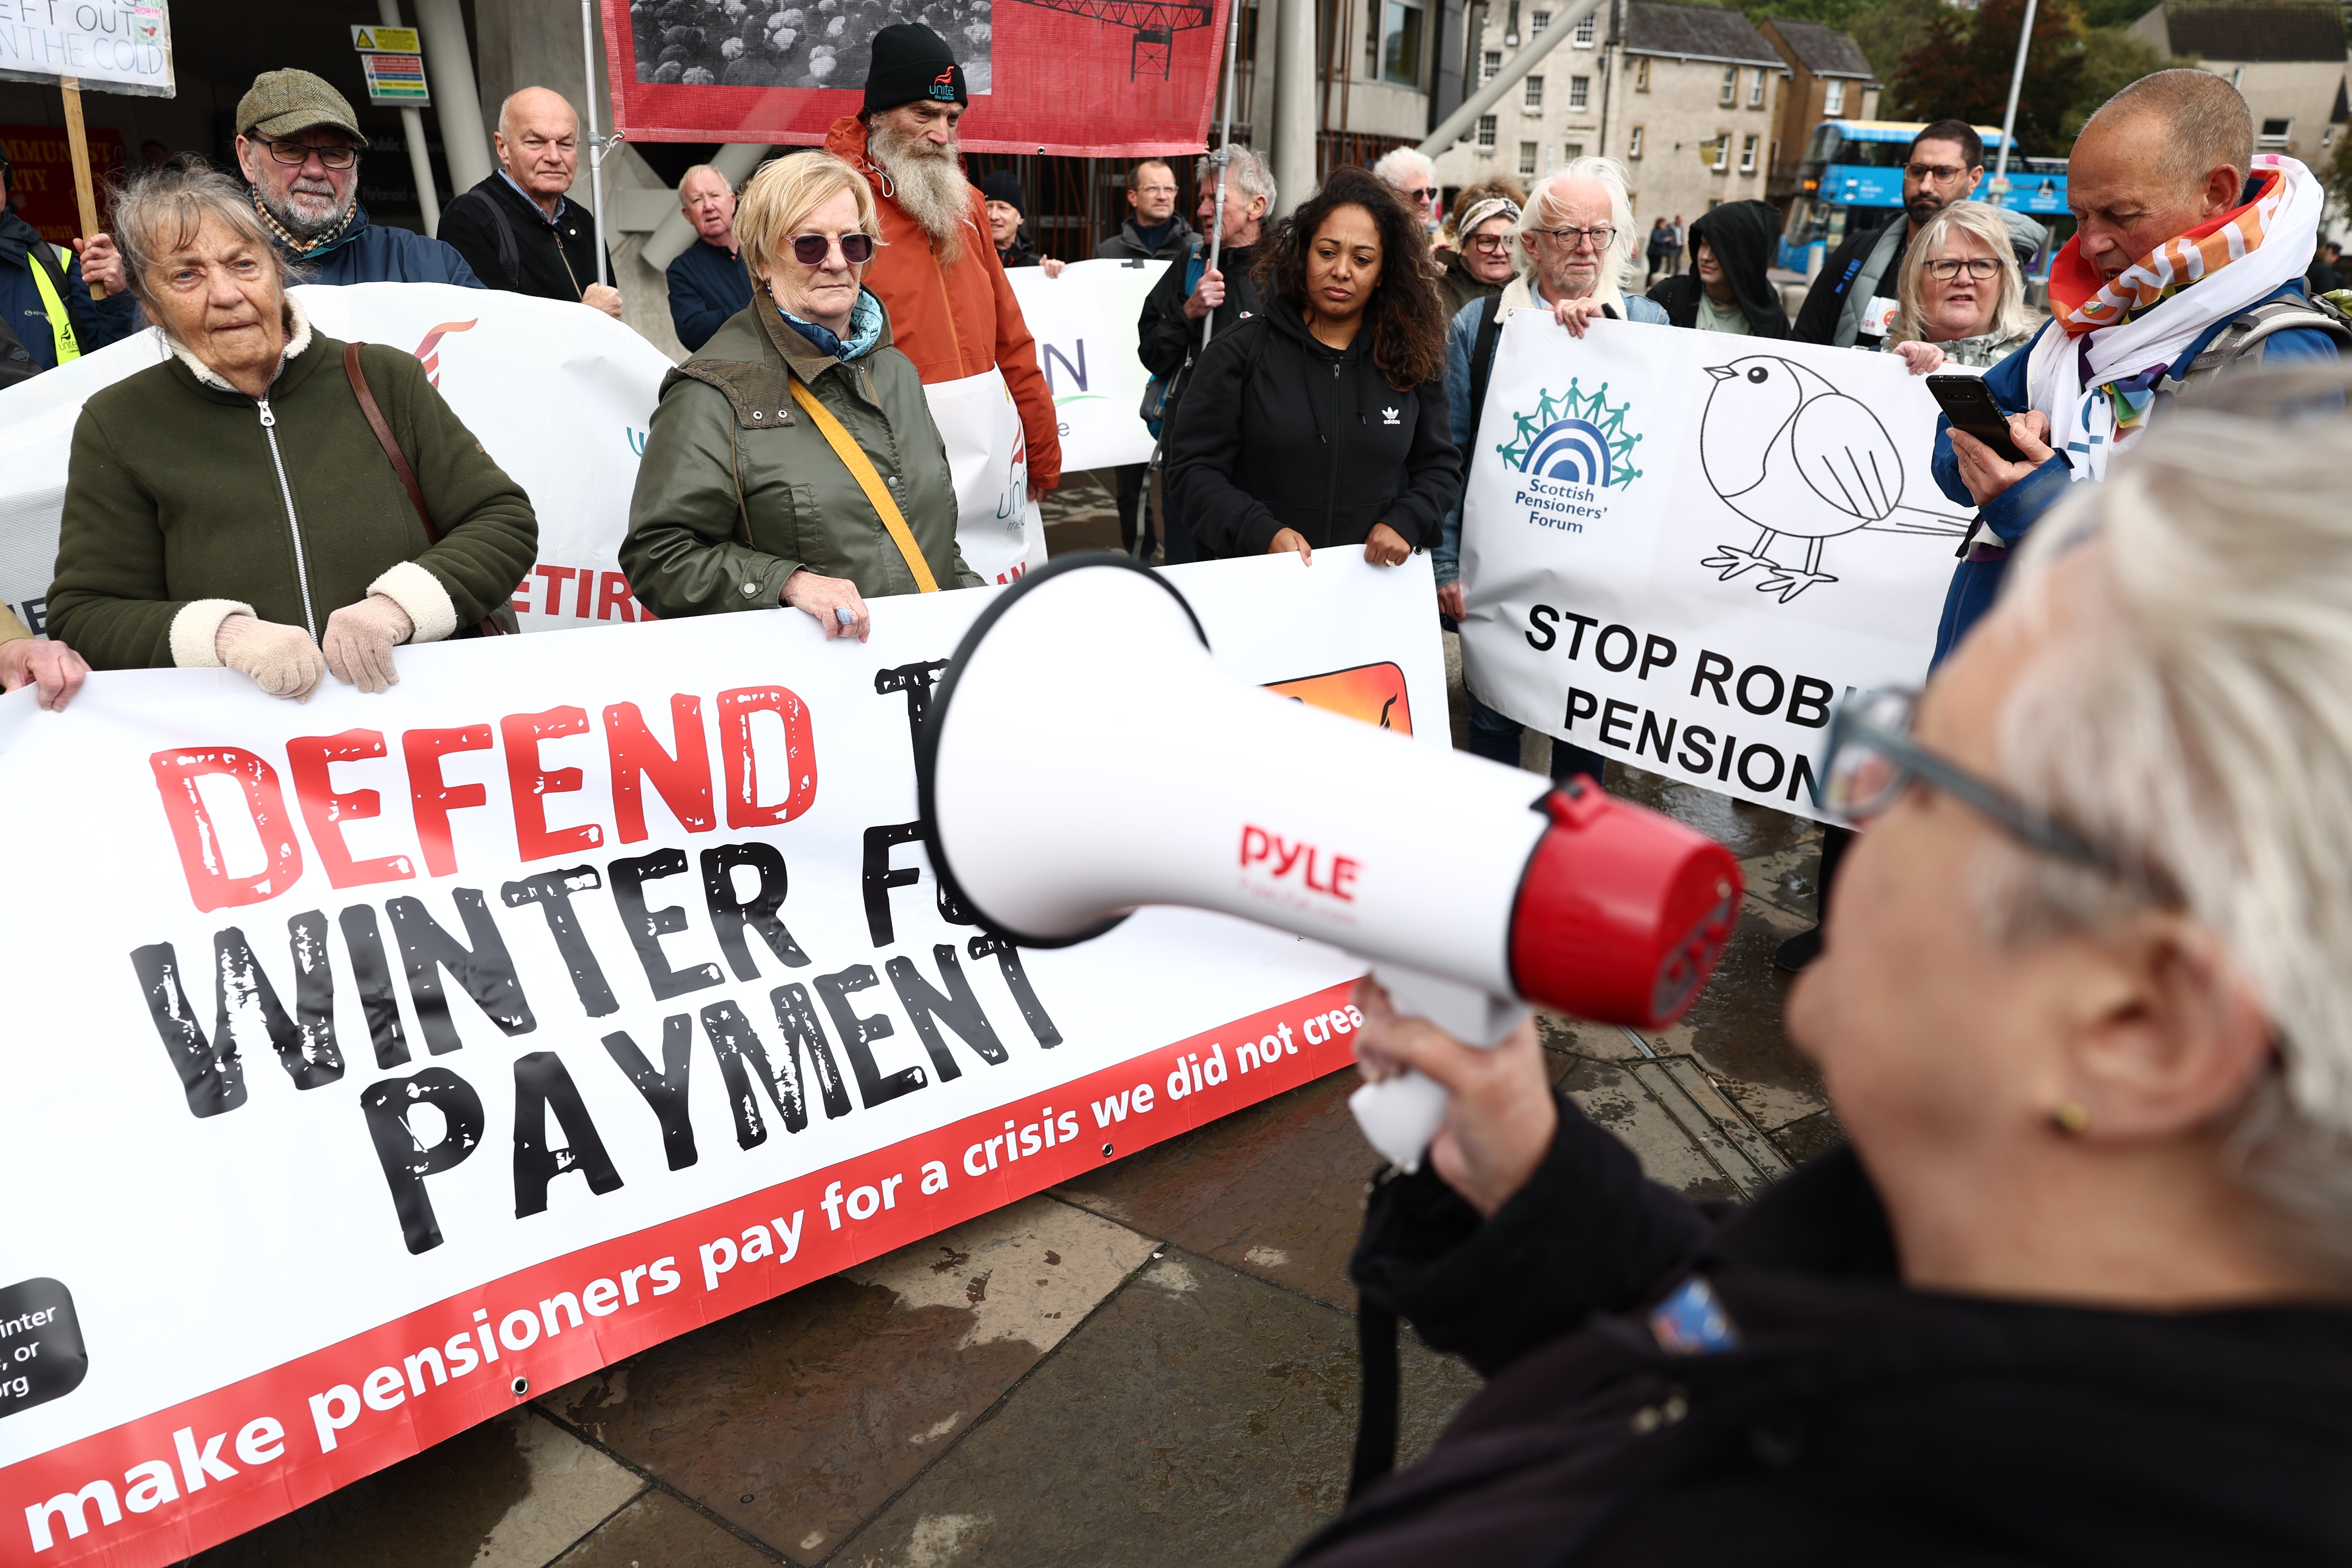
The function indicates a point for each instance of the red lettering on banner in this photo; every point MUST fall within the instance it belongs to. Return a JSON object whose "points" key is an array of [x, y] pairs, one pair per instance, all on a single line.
{"points": [[614, 595], [324, 812], [735, 711], [202, 857], [531, 785], [339, 1413], [683, 780], [431, 798]]}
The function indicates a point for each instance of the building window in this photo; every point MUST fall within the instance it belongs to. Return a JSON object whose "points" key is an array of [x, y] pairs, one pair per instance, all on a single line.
{"points": [[1641, 74], [1398, 45], [1582, 37], [1748, 154], [1531, 94], [1756, 88], [1832, 95], [2274, 135], [1538, 21], [1719, 153], [1527, 160], [1569, 151], [1731, 93], [1580, 91], [1633, 146], [1486, 131], [1490, 66]]}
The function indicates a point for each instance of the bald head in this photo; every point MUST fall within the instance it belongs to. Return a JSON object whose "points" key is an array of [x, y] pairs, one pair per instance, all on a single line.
{"points": [[538, 143], [2186, 122], [2165, 154]]}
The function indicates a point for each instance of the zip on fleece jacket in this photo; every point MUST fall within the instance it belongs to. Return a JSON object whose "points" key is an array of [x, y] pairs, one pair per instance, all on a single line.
{"points": [[293, 522]]}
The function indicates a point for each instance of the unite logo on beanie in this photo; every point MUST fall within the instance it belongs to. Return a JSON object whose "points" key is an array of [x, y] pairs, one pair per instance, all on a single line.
{"points": [[943, 85]]}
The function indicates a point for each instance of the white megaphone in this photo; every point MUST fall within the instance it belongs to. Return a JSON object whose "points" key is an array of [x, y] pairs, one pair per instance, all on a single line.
{"points": [[1473, 887]]}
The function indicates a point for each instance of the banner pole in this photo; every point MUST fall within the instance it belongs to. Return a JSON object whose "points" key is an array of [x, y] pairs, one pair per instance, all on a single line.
{"points": [[77, 140], [595, 143], [1224, 152]]}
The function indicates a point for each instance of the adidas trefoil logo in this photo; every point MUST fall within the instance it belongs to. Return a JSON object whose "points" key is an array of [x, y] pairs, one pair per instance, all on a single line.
{"points": [[1388, 415]]}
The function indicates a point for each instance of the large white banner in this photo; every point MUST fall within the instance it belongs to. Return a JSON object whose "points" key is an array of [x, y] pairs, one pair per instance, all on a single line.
{"points": [[123, 46], [1681, 550], [562, 396], [375, 1062]]}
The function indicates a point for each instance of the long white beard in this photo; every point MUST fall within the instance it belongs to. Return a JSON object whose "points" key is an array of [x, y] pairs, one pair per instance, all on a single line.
{"points": [[928, 184]]}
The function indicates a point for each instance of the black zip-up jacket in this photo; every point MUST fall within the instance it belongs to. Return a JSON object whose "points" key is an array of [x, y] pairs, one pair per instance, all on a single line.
{"points": [[1163, 334], [550, 260], [1844, 1419], [1277, 431], [1817, 318]]}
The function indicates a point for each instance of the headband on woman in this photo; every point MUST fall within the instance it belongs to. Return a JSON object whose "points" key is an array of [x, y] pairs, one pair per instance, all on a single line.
{"points": [[1480, 212]]}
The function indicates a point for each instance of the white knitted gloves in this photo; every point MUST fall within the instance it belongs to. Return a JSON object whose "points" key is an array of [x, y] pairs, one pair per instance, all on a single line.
{"points": [[360, 637], [281, 659]]}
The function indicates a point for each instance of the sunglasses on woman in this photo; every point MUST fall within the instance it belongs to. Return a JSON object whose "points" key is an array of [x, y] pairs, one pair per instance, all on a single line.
{"points": [[811, 249]]}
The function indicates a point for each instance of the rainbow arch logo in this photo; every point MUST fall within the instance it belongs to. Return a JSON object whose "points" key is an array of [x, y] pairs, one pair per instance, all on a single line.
{"points": [[1579, 438]]}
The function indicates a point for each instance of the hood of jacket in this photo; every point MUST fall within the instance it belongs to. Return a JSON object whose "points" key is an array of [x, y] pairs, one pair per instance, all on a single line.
{"points": [[1743, 235], [17, 237]]}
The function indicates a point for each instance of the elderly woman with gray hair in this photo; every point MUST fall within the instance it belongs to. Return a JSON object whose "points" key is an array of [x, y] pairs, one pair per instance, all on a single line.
{"points": [[269, 499], [2078, 1288], [1961, 296]]}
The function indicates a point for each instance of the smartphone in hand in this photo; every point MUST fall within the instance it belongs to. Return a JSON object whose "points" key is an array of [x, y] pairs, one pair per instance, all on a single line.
{"points": [[1968, 404]]}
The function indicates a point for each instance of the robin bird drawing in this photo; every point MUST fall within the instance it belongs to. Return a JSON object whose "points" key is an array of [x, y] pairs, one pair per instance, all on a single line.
{"points": [[1794, 456]]}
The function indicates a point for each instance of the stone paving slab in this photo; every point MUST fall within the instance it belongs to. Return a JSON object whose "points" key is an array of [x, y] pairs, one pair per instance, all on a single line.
{"points": [[658, 1530], [1204, 1416]]}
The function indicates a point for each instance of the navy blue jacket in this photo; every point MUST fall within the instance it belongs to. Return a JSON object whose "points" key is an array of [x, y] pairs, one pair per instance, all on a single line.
{"points": [[707, 286], [95, 324], [366, 254], [2012, 514]]}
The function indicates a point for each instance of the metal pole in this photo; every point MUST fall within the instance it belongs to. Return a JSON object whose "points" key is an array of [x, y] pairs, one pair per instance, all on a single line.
{"points": [[1225, 152], [412, 123], [449, 67], [595, 143], [1458, 124], [1294, 116], [2008, 117]]}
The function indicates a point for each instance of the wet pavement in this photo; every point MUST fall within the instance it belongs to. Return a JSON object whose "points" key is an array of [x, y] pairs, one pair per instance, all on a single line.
{"points": [[1154, 1364]]}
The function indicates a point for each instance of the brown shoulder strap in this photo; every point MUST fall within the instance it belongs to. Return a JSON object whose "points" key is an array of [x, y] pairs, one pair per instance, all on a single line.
{"points": [[384, 438]]}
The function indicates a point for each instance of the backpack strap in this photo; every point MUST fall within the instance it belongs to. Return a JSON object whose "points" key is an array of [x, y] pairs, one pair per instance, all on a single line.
{"points": [[510, 256], [861, 468], [1482, 361], [2248, 332]]}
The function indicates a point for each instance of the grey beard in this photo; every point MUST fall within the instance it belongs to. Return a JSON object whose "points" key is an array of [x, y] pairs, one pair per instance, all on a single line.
{"points": [[302, 228], [929, 187]]}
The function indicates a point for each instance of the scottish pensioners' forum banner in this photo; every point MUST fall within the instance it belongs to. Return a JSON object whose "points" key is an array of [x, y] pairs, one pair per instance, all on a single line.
{"points": [[1683, 550], [562, 397], [1090, 78], [377, 1063]]}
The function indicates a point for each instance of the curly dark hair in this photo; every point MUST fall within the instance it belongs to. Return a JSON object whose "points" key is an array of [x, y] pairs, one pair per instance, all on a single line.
{"points": [[1404, 313]]}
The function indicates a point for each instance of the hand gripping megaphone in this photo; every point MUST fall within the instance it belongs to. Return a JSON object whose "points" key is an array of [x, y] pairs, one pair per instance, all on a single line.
{"points": [[1084, 701]]}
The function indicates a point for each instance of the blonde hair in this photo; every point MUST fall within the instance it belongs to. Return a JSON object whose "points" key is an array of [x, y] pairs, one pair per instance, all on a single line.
{"points": [[779, 198], [2010, 315]]}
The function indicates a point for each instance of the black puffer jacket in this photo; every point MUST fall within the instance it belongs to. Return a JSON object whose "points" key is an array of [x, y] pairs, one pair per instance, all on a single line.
{"points": [[1839, 1417], [1277, 431]]}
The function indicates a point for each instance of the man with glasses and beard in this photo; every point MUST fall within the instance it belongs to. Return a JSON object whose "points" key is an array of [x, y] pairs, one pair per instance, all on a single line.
{"points": [[299, 146], [1853, 297], [952, 311]]}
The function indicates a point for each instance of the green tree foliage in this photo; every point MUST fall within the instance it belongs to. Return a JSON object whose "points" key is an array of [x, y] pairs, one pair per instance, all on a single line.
{"points": [[1962, 69], [2111, 60], [1892, 29]]}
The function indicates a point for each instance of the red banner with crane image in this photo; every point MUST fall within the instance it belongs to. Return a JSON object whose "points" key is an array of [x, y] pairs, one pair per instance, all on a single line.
{"points": [[1070, 77]]}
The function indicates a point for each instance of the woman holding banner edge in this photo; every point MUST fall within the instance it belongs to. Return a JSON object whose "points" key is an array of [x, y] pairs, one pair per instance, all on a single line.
{"points": [[793, 460]]}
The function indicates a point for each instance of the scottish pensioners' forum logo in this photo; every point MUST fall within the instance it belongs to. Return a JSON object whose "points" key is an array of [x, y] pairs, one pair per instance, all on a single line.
{"points": [[1569, 452]]}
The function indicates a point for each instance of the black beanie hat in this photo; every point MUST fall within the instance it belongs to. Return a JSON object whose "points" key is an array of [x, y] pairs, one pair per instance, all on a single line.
{"points": [[912, 62], [1004, 186]]}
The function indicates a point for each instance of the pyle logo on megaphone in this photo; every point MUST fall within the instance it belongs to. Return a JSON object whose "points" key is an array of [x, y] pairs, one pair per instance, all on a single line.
{"points": [[1268, 860]]}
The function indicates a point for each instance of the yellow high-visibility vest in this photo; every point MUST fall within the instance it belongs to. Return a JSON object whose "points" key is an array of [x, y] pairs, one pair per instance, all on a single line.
{"points": [[60, 322]]}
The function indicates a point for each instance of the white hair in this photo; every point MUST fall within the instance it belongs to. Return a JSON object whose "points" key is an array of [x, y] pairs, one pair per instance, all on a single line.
{"points": [[724, 183], [1394, 164], [2197, 717], [1247, 174], [1543, 211]]}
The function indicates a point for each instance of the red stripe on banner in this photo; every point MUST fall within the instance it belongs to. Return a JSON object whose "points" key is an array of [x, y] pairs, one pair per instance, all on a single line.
{"points": [[168, 1485]]}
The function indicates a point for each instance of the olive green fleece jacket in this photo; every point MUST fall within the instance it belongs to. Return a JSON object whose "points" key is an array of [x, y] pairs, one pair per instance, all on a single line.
{"points": [[738, 489], [187, 501]]}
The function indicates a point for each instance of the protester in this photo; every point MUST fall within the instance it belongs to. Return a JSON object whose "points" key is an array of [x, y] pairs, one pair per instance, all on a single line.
{"points": [[516, 229], [1728, 287], [706, 280], [1168, 331], [47, 316], [747, 497], [54, 670], [1662, 249], [2166, 184], [1470, 195], [1962, 299], [1153, 230], [1345, 365], [233, 505], [1479, 263], [2074, 1289], [1942, 167], [1574, 247], [2325, 276], [298, 145], [1008, 213], [1409, 173], [952, 311]]}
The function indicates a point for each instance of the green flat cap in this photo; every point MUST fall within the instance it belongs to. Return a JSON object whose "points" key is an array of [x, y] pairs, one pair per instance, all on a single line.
{"points": [[282, 102]]}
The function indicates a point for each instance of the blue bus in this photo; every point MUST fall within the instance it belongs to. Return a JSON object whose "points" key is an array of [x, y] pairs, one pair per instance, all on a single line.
{"points": [[1851, 178]]}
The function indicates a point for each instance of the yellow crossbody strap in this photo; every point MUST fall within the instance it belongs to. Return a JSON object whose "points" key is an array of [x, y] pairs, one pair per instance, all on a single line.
{"points": [[862, 470]]}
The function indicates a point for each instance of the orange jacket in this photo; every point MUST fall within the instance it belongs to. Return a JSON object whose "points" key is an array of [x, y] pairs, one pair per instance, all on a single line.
{"points": [[954, 321]]}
